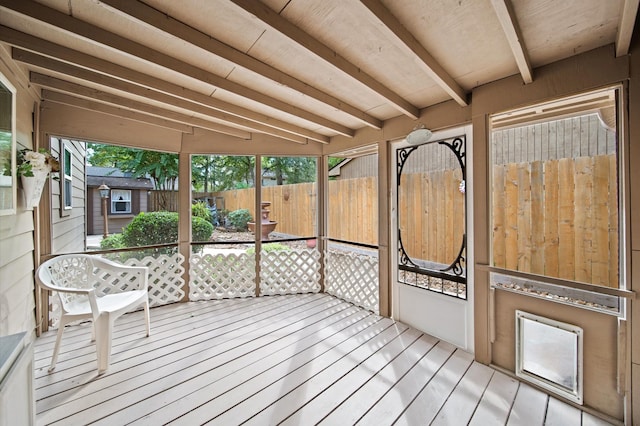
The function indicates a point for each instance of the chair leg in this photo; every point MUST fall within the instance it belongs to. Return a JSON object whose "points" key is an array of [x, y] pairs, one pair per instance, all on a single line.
{"points": [[147, 317], [54, 358], [104, 329]]}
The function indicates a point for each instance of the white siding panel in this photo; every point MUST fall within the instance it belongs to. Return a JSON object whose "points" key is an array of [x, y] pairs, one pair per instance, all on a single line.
{"points": [[68, 231], [16, 231]]}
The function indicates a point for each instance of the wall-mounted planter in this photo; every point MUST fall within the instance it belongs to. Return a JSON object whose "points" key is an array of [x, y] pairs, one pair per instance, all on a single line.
{"points": [[32, 187]]}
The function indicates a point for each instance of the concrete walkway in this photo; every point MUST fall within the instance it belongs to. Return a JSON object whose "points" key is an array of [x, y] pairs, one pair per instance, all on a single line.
{"points": [[93, 242]]}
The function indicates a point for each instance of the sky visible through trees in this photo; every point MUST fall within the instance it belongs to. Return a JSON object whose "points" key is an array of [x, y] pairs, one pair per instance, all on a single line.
{"points": [[209, 173]]}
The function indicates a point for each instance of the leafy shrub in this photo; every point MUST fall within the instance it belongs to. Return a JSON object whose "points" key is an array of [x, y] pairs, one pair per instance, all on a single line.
{"points": [[201, 229], [113, 241], [239, 219], [201, 210], [161, 228], [151, 228]]}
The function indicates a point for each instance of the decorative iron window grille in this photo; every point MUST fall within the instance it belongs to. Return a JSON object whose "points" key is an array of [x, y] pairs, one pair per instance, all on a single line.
{"points": [[423, 269]]}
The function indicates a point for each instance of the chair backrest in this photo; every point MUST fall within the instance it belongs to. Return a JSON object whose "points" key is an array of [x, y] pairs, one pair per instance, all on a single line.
{"points": [[67, 271], [85, 271]]}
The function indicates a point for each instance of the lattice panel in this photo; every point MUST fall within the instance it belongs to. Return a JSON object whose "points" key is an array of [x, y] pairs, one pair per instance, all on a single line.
{"points": [[353, 277], [222, 276], [290, 272], [165, 277]]}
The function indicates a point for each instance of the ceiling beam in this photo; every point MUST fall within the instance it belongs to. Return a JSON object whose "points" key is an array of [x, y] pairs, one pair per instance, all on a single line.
{"points": [[434, 69], [625, 27], [169, 25], [62, 98], [265, 14], [124, 86], [26, 41], [60, 20], [67, 87], [509, 21]]}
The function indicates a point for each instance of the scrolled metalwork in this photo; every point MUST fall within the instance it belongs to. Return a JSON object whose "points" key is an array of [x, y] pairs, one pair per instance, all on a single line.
{"points": [[459, 265], [458, 146], [401, 158], [404, 258], [456, 271]]}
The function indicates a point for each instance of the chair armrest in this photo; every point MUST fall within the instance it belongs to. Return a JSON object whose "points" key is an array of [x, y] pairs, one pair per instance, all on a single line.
{"points": [[59, 289]]}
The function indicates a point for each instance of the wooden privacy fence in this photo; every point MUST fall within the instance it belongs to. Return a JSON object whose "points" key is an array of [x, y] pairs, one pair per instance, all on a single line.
{"points": [[161, 200], [352, 208], [292, 206], [431, 215], [558, 218]]}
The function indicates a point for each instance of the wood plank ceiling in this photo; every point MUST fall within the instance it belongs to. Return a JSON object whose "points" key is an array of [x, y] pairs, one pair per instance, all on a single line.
{"points": [[299, 70]]}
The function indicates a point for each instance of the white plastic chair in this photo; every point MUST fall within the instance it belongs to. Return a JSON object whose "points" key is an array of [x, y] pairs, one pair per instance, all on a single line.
{"points": [[91, 287]]}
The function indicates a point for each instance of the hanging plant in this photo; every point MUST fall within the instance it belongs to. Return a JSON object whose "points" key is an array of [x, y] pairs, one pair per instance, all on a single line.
{"points": [[33, 168]]}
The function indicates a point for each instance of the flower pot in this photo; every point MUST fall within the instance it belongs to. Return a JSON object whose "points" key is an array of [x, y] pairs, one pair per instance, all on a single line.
{"points": [[32, 187]]}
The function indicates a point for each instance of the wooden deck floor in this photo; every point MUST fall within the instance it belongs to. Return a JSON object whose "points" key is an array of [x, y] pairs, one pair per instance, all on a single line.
{"points": [[296, 360]]}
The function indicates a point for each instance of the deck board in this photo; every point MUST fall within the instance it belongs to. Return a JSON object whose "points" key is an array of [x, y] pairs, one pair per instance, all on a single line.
{"points": [[185, 350], [300, 359], [270, 386], [267, 366], [428, 402], [463, 401], [368, 357], [358, 403], [331, 394], [562, 414], [496, 403], [391, 406], [529, 407]]}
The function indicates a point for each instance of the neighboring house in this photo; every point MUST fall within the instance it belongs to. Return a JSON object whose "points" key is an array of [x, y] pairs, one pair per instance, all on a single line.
{"points": [[356, 167], [128, 196]]}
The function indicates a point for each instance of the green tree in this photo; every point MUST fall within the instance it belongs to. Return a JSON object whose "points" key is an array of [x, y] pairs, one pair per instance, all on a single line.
{"points": [[334, 161], [290, 169], [161, 167], [203, 172], [239, 171]]}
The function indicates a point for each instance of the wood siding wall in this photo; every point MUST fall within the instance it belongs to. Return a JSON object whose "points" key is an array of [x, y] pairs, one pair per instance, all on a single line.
{"points": [[582, 136], [364, 166], [68, 227], [17, 302]]}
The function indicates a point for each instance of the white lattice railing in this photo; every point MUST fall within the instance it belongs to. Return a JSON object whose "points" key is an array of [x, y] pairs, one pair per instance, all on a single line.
{"points": [[165, 281], [165, 277], [290, 272], [352, 277], [349, 276], [221, 276]]}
